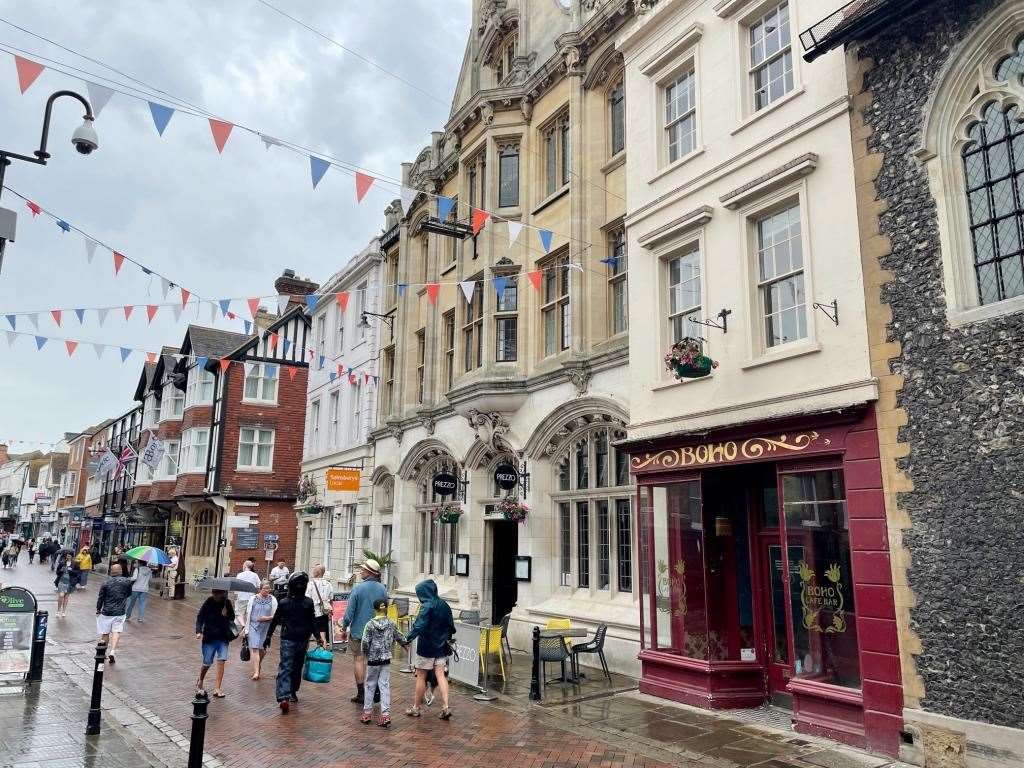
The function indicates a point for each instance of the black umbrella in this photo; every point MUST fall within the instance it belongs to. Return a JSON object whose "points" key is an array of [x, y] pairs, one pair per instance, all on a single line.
{"points": [[226, 584]]}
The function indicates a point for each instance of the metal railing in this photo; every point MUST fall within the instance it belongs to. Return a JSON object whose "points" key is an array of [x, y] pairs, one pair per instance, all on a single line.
{"points": [[813, 36]]}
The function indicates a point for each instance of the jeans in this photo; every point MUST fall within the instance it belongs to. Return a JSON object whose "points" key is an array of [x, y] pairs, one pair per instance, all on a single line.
{"points": [[289, 671], [53, 562], [140, 598], [378, 678]]}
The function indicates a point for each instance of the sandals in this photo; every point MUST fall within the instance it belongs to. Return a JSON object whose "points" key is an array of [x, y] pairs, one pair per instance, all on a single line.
{"points": [[413, 712], [219, 694], [365, 718], [384, 721]]}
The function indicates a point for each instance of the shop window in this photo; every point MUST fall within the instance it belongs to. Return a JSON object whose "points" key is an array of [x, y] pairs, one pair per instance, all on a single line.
{"points": [[623, 535], [437, 543], [565, 543], [821, 585], [583, 544]]}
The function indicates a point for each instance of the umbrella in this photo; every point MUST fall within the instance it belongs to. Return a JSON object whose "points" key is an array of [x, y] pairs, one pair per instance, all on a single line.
{"points": [[149, 555], [227, 584]]}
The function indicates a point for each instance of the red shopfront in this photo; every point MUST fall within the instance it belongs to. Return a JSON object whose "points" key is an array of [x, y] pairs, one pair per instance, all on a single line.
{"points": [[723, 517]]}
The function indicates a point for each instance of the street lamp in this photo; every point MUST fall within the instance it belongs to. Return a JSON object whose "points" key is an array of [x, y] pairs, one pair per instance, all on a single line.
{"points": [[389, 318], [84, 140]]}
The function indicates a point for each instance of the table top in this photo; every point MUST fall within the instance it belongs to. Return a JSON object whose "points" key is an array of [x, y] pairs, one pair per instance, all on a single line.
{"points": [[568, 632]]}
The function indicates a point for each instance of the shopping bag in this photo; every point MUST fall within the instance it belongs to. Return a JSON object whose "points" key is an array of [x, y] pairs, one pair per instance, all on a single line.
{"points": [[317, 668]]}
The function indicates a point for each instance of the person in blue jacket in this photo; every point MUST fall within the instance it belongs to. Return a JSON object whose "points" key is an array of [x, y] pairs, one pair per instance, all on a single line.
{"points": [[433, 629], [359, 611]]}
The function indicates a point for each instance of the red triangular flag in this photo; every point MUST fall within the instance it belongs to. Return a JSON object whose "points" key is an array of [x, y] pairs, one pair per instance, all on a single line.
{"points": [[151, 311], [71, 346], [363, 184], [232, 316], [254, 306], [221, 130], [273, 341], [184, 297], [128, 310], [292, 370], [479, 219], [55, 313], [34, 207], [151, 357], [341, 369], [432, 290], [28, 71], [342, 298], [352, 379], [224, 363], [535, 277], [366, 378], [118, 261]]}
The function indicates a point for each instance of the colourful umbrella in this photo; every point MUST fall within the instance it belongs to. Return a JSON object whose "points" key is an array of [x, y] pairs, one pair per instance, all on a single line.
{"points": [[150, 555]]}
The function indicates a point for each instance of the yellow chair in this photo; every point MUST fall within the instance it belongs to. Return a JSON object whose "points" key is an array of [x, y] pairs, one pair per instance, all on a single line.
{"points": [[560, 624], [393, 611], [490, 645]]}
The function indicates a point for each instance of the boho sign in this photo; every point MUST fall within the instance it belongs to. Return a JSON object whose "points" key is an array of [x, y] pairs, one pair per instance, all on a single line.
{"points": [[726, 451]]}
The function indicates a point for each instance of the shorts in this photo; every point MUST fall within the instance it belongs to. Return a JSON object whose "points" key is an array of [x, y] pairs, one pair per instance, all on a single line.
{"points": [[428, 662], [217, 649], [107, 624], [322, 625], [355, 646]]}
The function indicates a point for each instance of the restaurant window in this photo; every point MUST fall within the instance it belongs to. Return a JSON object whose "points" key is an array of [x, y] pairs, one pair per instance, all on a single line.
{"points": [[557, 161], [771, 57], [506, 322], [437, 543], [556, 312], [473, 328], [780, 266], [421, 359], [684, 294], [508, 175], [617, 286], [448, 337], [617, 113]]}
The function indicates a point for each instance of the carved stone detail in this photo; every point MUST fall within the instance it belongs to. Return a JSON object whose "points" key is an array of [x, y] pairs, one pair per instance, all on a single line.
{"points": [[526, 105], [428, 423], [496, 427], [486, 113]]}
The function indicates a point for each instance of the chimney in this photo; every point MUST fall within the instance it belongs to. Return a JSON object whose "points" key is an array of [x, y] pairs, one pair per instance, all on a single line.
{"points": [[4, 458], [264, 319], [295, 288]]}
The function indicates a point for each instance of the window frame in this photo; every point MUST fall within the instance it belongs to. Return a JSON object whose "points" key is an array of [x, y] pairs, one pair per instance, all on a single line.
{"points": [[448, 342], [617, 115], [313, 442], [473, 328], [333, 399], [388, 371], [687, 67], [559, 306], [159, 474], [356, 428], [765, 283], [254, 466], [421, 363], [507, 316], [757, 17], [261, 383], [187, 447], [556, 165], [177, 396], [505, 151], [618, 279]]}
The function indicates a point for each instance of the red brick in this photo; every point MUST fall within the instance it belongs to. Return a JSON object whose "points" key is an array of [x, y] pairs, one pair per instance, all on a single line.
{"points": [[877, 635], [871, 568], [874, 601], [865, 503], [871, 535]]}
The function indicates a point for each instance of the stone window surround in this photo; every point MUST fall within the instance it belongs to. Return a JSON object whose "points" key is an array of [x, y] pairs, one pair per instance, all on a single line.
{"points": [[949, 113]]}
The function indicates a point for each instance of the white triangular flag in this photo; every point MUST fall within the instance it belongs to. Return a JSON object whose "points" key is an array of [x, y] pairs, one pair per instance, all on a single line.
{"points": [[282, 304], [408, 195], [99, 95], [248, 368], [269, 141], [165, 286], [98, 349], [101, 314], [90, 250], [468, 288], [514, 228], [176, 309], [11, 338], [213, 311], [34, 319]]}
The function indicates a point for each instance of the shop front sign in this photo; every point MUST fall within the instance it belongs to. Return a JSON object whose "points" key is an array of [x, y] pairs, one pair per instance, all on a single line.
{"points": [[445, 484], [731, 451], [342, 479], [822, 596], [506, 476]]}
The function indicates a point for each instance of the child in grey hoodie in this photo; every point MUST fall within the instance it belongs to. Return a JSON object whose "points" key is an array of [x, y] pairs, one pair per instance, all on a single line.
{"points": [[379, 637]]}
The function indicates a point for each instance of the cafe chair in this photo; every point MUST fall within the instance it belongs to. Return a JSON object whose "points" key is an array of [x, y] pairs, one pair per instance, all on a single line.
{"points": [[552, 649], [393, 611], [469, 617], [490, 645], [504, 635], [593, 646], [561, 624]]}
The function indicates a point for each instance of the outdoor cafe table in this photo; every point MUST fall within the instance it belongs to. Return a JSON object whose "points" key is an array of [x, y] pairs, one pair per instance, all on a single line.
{"points": [[563, 633]]}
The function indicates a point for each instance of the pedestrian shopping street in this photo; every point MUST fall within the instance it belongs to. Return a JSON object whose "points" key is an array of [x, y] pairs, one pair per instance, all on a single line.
{"points": [[148, 693]]}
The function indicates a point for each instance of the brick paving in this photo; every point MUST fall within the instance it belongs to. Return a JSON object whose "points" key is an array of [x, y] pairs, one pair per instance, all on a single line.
{"points": [[157, 663]]}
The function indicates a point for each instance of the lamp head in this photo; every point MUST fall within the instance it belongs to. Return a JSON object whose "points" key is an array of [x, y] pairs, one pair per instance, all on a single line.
{"points": [[364, 324], [84, 138]]}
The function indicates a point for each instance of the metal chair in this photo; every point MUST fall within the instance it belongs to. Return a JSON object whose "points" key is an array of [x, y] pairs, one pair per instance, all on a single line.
{"points": [[593, 646], [504, 635], [552, 649], [402, 603]]}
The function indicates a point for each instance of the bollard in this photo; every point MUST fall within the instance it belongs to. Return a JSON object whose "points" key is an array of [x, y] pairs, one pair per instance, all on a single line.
{"points": [[198, 735], [535, 675], [35, 671], [92, 728]]}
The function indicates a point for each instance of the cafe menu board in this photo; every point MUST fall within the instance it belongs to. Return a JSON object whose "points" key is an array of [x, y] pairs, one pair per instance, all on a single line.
{"points": [[17, 617]]}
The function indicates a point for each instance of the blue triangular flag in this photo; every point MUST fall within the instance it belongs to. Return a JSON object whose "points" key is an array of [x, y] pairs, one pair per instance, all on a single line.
{"points": [[321, 361], [125, 352], [444, 207], [248, 326], [311, 301], [286, 345], [161, 116], [499, 285], [80, 314], [317, 168], [332, 375], [610, 261], [545, 238], [63, 225], [201, 361], [224, 305], [13, 320], [269, 371], [40, 342], [401, 289]]}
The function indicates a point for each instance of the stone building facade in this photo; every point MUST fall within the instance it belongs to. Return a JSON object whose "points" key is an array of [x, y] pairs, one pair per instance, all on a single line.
{"points": [[939, 153]]}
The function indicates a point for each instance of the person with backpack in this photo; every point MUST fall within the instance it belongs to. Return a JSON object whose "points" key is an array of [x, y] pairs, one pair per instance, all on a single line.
{"points": [[294, 615], [433, 630]]}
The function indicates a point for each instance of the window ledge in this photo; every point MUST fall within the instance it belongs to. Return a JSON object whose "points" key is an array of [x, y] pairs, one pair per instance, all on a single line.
{"points": [[169, 418], [753, 118], [449, 268], [670, 384], [514, 212], [255, 470], [192, 472], [960, 317], [550, 199], [676, 164], [267, 403], [614, 162], [785, 352]]}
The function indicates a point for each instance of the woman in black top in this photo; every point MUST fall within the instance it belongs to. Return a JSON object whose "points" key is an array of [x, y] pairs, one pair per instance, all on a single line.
{"points": [[213, 628]]}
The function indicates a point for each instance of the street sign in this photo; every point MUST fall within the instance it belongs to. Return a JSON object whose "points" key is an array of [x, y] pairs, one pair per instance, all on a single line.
{"points": [[343, 479], [445, 484], [247, 538], [271, 537]]}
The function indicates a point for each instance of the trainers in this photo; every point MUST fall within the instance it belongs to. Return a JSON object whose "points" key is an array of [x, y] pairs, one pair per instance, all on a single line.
{"points": [[110, 658], [384, 721], [283, 704], [365, 718]]}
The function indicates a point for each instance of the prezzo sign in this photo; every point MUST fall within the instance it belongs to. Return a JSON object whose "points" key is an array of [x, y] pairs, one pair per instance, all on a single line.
{"points": [[506, 476], [445, 484]]}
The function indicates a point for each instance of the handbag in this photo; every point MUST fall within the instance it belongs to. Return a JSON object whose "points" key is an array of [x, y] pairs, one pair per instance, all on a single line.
{"points": [[317, 667], [245, 654]]}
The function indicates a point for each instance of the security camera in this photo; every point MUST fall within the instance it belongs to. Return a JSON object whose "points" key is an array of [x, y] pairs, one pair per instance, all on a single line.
{"points": [[84, 138]]}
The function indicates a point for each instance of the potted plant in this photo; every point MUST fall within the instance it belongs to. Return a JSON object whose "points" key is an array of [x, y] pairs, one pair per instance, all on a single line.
{"points": [[448, 512], [687, 361], [511, 508]]}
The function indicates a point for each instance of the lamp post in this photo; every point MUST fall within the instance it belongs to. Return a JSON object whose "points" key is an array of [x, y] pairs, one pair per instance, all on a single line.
{"points": [[388, 318], [84, 140]]}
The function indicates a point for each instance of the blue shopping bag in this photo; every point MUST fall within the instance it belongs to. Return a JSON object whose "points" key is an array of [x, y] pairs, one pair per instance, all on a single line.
{"points": [[317, 668]]}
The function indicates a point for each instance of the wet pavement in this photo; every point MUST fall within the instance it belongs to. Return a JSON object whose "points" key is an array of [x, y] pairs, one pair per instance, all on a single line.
{"points": [[148, 693]]}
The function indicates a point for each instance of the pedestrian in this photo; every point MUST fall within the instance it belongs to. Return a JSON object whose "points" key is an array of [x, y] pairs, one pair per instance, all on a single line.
{"points": [[119, 558], [379, 636], [279, 577], [84, 561], [320, 592], [7, 556], [359, 611], [53, 550], [433, 630], [140, 591], [33, 547], [256, 618], [213, 628], [248, 573], [67, 578], [111, 604], [294, 615]]}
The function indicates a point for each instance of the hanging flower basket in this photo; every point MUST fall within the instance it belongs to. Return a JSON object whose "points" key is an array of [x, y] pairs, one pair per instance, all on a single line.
{"points": [[687, 361], [307, 488], [513, 509], [448, 513], [312, 509]]}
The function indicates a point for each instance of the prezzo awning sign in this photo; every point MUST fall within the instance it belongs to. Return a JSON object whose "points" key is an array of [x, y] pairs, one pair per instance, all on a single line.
{"points": [[728, 451], [445, 484]]}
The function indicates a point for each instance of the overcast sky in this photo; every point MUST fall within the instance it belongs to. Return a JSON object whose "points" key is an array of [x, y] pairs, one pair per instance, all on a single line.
{"points": [[221, 225]]}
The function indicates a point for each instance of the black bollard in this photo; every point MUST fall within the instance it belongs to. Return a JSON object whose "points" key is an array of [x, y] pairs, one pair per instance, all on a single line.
{"points": [[535, 675], [198, 735], [92, 728], [35, 671]]}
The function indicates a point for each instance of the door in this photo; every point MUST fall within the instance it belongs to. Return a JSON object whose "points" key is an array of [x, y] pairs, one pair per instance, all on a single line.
{"points": [[504, 587]]}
